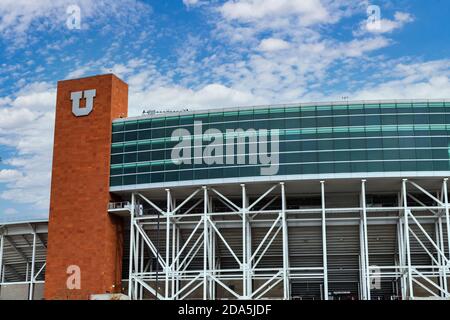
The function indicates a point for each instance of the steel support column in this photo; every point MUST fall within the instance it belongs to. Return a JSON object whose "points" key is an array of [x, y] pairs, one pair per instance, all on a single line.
{"points": [[33, 261], [407, 241], [1, 256], [205, 243], [324, 242], [131, 257], [364, 244], [286, 282]]}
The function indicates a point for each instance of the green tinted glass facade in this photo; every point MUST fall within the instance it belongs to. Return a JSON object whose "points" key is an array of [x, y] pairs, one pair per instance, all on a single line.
{"points": [[353, 138]]}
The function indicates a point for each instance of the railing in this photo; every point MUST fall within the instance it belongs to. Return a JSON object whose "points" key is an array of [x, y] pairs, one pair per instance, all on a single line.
{"points": [[119, 205]]}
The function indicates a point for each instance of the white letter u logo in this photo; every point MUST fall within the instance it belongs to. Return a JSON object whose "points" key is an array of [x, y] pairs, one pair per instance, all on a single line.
{"points": [[89, 95]]}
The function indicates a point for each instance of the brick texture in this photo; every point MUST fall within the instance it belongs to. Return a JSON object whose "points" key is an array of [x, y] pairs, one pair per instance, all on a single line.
{"points": [[81, 232]]}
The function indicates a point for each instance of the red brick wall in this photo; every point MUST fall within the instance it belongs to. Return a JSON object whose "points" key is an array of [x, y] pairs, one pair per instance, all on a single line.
{"points": [[81, 232]]}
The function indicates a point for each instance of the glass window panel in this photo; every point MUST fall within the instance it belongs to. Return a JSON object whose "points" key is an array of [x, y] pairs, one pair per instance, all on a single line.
{"points": [[341, 144], [129, 169], [408, 166], [171, 176], [309, 168], [441, 165], [358, 155], [388, 120], [308, 122], [326, 167], [391, 154], [157, 155], [144, 156], [118, 126], [130, 125], [375, 155], [131, 179], [144, 146], [145, 124], [325, 156], [375, 143], [131, 135], [356, 120], [117, 137], [116, 171], [129, 157], [424, 166], [143, 178], [158, 122], [439, 142], [186, 175], [115, 181], [325, 145], [342, 156], [358, 144], [130, 147], [230, 172], [144, 134], [143, 168], [156, 177], [188, 119], [200, 174], [325, 122], [172, 121], [436, 118], [117, 158], [359, 167], [376, 166], [215, 173], [390, 143], [292, 123], [117, 149], [342, 167]]}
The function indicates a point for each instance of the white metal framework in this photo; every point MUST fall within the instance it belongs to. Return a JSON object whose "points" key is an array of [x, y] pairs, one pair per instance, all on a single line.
{"points": [[23, 247], [211, 245]]}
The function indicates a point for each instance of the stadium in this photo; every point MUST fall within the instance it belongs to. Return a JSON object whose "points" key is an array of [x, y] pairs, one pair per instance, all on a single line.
{"points": [[310, 201]]}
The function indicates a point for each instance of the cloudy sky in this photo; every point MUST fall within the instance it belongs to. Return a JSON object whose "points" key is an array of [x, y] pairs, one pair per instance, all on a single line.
{"points": [[203, 53]]}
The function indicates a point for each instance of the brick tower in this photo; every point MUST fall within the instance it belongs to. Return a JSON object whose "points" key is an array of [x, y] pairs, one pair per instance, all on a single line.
{"points": [[82, 236]]}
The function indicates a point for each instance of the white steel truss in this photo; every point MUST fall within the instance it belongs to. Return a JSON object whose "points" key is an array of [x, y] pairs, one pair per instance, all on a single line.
{"points": [[174, 245], [31, 254]]}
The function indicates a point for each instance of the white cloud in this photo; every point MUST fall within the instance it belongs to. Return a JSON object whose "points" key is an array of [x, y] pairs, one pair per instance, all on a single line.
{"points": [[385, 25], [11, 211], [118, 69], [426, 80], [189, 3], [272, 44], [27, 126], [210, 96], [434, 88], [20, 17], [278, 49], [308, 11], [78, 72], [8, 175]]}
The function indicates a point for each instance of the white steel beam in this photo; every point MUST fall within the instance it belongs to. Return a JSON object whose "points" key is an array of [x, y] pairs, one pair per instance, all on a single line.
{"points": [[130, 267], [407, 242], [33, 261], [324, 242], [447, 215], [1, 256], [286, 282], [205, 243]]}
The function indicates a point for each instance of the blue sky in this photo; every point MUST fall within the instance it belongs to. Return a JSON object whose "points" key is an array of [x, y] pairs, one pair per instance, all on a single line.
{"points": [[204, 53]]}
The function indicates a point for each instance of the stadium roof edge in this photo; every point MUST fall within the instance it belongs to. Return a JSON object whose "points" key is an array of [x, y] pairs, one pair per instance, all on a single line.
{"points": [[300, 104], [14, 222]]}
